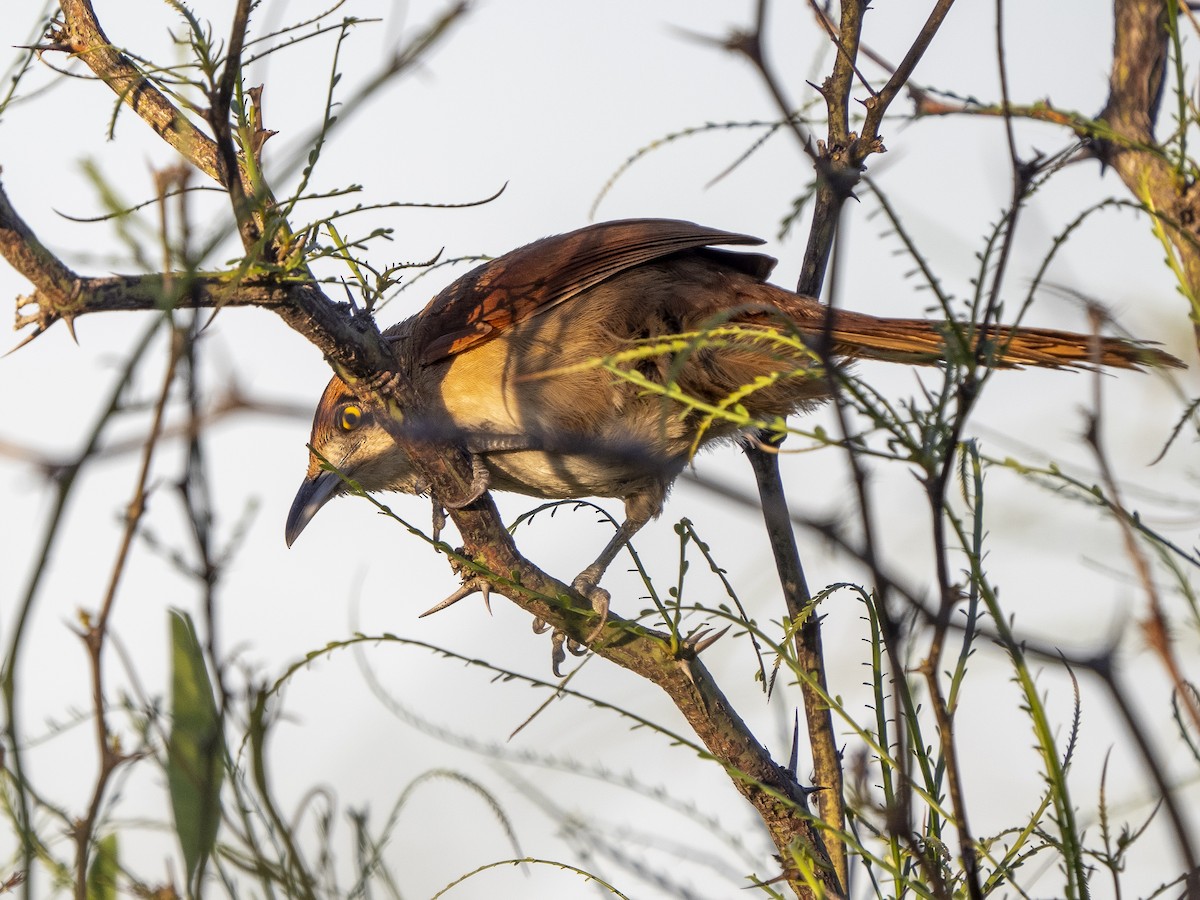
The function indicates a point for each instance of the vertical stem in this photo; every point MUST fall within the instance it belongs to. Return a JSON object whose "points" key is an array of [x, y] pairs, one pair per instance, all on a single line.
{"points": [[827, 760]]}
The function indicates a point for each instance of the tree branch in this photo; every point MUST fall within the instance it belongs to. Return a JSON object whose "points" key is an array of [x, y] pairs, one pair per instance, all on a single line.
{"points": [[81, 32], [1141, 43]]}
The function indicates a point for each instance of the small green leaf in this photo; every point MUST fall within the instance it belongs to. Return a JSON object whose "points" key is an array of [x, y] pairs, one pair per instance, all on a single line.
{"points": [[102, 873], [195, 748]]}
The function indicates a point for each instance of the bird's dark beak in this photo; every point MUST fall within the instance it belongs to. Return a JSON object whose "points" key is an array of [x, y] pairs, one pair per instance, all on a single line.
{"points": [[313, 494]]}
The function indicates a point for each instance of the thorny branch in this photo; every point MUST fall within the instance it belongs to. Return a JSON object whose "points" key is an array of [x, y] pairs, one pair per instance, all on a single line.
{"points": [[839, 161], [1155, 626]]}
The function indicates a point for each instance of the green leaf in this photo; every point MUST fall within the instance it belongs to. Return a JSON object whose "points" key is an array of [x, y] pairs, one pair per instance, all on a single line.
{"points": [[195, 748], [102, 873]]}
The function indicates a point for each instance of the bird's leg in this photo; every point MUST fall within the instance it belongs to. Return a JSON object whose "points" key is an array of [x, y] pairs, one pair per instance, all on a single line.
{"points": [[477, 444], [587, 582], [558, 641], [640, 508]]}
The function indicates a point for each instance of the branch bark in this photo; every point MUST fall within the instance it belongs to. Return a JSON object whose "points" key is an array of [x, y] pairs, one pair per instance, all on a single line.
{"points": [[1141, 46], [839, 161]]}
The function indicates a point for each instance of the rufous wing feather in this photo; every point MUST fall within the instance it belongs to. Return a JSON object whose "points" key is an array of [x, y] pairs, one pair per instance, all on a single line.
{"points": [[546, 273]]}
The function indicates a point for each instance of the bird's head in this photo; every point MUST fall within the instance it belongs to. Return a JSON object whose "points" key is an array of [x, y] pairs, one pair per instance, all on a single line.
{"points": [[347, 433]]}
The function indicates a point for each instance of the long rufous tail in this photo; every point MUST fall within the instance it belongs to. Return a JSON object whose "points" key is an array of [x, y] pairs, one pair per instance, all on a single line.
{"points": [[924, 342]]}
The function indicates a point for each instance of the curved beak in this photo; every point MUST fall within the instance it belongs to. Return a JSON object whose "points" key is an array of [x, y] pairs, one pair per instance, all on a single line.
{"points": [[313, 494]]}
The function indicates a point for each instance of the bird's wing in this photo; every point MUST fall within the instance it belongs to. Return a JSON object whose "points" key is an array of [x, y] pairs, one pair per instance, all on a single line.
{"points": [[541, 275]]}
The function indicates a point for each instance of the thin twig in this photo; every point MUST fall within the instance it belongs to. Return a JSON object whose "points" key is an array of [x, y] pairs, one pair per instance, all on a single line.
{"points": [[97, 632], [1154, 626]]}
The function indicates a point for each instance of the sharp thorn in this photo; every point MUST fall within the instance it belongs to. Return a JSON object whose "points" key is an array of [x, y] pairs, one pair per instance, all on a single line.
{"points": [[704, 640], [465, 591], [794, 759], [485, 591]]}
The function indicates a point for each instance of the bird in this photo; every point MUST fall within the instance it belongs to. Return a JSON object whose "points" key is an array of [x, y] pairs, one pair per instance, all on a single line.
{"points": [[507, 361]]}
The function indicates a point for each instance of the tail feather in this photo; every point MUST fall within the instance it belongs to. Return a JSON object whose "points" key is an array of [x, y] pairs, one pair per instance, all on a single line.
{"points": [[925, 342]]}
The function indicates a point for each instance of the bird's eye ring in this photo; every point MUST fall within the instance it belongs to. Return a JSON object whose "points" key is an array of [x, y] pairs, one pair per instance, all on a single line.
{"points": [[351, 417]]}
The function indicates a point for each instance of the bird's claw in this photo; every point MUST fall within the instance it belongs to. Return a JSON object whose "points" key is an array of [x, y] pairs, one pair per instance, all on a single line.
{"points": [[479, 485], [598, 597], [381, 382], [560, 644], [439, 518]]}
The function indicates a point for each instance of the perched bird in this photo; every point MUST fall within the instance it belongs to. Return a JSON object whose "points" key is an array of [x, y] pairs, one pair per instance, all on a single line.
{"points": [[501, 358]]}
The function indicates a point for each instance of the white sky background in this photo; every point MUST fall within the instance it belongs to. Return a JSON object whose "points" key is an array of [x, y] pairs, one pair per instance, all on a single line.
{"points": [[550, 99]]}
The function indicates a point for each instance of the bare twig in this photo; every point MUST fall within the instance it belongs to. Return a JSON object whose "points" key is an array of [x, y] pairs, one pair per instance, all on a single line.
{"points": [[1154, 626]]}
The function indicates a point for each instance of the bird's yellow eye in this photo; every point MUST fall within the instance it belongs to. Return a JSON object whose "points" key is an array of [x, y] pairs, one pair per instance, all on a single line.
{"points": [[351, 416]]}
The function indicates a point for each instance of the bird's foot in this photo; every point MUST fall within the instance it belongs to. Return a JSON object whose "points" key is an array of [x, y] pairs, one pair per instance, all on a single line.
{"points": [[479, 485], [560, 645], [381, 382], [439, 518], [585, 583]]}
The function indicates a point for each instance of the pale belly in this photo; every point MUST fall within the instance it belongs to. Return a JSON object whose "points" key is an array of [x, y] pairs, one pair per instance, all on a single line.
{"points": [[600, 473]]}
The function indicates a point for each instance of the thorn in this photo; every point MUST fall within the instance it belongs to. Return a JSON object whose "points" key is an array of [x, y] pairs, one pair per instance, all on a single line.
{"points": [[469, 587], [703, 639], [485, 591], [37, 332], [781, 877], [69, 321], [699, 38], [685, 666], [54, 46], [794, 760]]}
